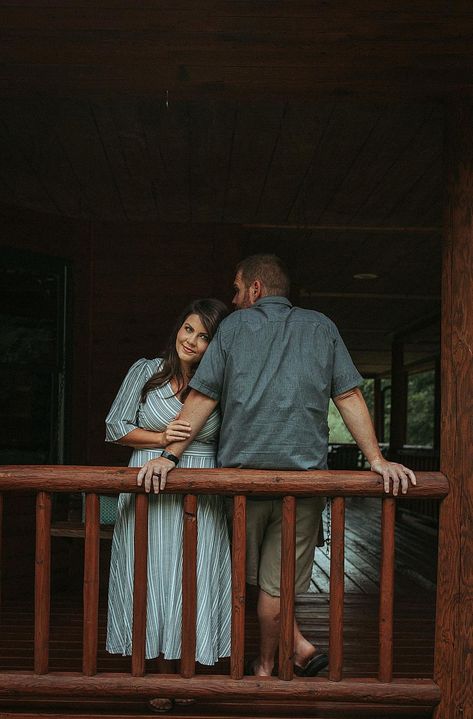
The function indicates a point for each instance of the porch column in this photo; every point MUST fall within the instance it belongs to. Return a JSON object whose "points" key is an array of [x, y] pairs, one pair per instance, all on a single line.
{"points": [[454, 636]]}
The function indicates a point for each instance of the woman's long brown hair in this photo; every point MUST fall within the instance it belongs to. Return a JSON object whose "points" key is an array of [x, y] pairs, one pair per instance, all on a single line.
{"points": [[211, 312]]}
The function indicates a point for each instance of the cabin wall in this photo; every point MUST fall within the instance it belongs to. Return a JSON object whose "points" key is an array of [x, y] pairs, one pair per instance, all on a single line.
{"points": [[129, 281]]}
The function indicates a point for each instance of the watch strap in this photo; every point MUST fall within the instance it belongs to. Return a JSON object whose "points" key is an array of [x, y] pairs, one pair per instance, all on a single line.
{"points": [[169, 455]]}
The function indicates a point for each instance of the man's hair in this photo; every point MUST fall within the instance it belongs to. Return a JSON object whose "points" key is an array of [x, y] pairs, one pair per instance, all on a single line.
{"points": [[269, 270]]}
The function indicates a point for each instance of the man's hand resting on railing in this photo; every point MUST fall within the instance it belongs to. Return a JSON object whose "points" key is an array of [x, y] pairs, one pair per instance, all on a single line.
{"points": [[154, 474], [356, 416], [399, 475]]}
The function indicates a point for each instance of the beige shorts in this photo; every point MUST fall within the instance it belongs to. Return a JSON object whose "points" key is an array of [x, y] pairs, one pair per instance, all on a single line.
{"points": [[263, 542]]}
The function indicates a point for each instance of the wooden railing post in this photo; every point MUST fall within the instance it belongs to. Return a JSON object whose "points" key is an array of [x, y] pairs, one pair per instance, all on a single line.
{"points": [[1, 546], [337, 588], [189, 587], [42, 582], [91, 584], [386, 598], [140, 586], [238, 587], [288, 574]]}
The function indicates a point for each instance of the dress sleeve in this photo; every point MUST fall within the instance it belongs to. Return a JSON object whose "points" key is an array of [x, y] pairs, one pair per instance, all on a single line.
{"points": [[122, 417], [345, 376]]}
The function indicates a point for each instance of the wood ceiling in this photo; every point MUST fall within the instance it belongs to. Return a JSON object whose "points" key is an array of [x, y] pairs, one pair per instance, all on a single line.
{"points": [[317, 129], [245, 47], [333, 162]]}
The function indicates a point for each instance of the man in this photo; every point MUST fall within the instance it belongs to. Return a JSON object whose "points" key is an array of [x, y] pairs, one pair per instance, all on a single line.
{"points": [[273, 368]]}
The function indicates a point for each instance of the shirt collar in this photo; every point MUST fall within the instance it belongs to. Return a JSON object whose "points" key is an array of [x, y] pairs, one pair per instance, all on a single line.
{"points": [[273, 299]]}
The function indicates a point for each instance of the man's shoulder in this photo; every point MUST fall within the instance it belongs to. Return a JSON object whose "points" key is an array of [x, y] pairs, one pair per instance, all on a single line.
{"points": [[312, 316]]}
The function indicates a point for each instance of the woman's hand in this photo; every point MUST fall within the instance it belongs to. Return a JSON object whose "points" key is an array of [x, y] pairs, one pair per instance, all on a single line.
{"points": [[176, 431]]}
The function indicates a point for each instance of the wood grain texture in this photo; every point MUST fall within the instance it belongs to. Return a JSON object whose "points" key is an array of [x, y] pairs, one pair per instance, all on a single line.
{"points": [[454, 638], [42, 582], [288, 573], [189, 586], [237, 48], [386, 594], [412, 692], [140, 585], [337, 580], [214, 481], [91, 584], [238, 587]]}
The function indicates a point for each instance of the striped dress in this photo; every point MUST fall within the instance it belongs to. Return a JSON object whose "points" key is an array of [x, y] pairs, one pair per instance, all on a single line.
{"points": [[164, 603]]}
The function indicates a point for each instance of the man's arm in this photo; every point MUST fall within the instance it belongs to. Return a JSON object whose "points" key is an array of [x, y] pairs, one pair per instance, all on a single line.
{"points": [[356, 416], [196, 410]]}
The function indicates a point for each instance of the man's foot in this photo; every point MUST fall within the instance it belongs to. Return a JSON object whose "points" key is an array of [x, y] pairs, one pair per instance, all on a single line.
{"points": [[254, 668], [312, 666]]}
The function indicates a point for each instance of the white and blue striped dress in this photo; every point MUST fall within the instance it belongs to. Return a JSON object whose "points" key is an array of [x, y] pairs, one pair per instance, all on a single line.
{"points": [[164, 604]]}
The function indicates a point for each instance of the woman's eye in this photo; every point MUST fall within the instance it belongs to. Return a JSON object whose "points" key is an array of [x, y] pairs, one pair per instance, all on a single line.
{"points": [[205, 337]]}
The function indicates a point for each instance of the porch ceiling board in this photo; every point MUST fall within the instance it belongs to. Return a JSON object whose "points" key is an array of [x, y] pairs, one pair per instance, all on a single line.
{"points": [[237, 47], [328, 162]]}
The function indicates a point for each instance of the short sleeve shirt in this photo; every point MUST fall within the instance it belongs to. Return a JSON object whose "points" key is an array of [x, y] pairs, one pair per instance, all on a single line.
{"points": [[273, 368]]}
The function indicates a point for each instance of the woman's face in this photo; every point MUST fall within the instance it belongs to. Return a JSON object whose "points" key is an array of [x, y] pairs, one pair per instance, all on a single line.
{"points": [[192, 340]]}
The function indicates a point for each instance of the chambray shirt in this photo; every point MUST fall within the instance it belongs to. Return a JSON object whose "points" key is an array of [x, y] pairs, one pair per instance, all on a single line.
{"points": [[273, 368]]}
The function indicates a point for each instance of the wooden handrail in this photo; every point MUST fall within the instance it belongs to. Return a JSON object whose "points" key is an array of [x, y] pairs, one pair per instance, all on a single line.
{"points": [[412, 692], [325, 483], [241, 484]]}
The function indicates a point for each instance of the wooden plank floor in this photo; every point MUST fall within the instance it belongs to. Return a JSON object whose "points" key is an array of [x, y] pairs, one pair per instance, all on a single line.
{"points": [[413, 628]]}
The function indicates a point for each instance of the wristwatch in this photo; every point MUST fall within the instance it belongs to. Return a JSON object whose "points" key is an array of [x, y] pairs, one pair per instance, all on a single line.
{"points": [[172, 457]]}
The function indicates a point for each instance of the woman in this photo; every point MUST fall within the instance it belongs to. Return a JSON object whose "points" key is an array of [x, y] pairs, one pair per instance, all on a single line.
{"points": [[145, 416]]}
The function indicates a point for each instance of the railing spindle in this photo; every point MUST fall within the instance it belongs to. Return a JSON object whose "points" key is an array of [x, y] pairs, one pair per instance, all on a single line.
{"points": [[140, 586], [238, 587], [337, 588], [42, 582], [386, 598], [288, 574], [91, 584], [189, 587]]}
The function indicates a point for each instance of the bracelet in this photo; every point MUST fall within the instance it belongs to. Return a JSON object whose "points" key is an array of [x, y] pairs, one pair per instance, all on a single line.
{"points": [[172, 457]]}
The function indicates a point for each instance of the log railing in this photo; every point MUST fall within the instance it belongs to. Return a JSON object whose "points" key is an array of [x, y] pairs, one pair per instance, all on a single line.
{"points": [[240, 484]]}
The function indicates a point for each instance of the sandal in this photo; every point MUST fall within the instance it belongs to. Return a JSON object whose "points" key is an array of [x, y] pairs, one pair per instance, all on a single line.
{"points": [[313, 666]]}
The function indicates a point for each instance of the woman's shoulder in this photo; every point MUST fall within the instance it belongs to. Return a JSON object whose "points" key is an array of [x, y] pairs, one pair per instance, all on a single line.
{"points": [[145, 366]]}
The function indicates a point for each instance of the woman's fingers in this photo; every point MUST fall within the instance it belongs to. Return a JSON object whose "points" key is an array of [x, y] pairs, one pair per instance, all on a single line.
{"points": [[177, 430]]}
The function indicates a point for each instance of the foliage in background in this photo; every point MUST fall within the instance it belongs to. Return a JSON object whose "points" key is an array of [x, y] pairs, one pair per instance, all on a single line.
{"points": [[420, 408], [338, 433], [420, 411]]}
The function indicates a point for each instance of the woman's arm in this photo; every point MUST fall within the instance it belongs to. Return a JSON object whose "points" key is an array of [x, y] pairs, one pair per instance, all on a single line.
{"points": [[177, 431]]}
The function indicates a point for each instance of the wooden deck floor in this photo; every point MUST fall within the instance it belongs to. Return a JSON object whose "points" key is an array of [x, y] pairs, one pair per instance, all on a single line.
{"points": [[414, 620]]}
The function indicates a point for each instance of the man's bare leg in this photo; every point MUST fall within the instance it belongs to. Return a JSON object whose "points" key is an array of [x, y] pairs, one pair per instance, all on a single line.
{"points": [[269, 623], [269, 610]]}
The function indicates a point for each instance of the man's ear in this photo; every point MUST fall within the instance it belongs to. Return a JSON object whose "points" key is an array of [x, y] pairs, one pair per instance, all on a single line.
{"points": [[256, 291]]}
